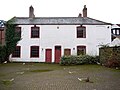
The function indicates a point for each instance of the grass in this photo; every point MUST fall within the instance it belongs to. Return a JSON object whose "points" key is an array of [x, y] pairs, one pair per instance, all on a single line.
{"points": [[7, 82], [1, 75]]}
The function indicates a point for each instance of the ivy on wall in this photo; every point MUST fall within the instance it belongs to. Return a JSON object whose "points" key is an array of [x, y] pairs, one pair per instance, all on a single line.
{"points": [[11, 40]]}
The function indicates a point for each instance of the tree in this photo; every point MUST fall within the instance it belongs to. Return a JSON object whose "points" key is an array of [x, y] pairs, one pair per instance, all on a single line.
{"points": [[2, 53], [11, 38]]}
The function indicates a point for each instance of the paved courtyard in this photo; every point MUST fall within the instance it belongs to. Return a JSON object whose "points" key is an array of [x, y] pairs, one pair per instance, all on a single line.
{"points": [[40, 76]]}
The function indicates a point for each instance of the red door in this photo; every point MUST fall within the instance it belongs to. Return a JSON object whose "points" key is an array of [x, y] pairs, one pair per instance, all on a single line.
{"points": [[57, 54], [48, 56]]}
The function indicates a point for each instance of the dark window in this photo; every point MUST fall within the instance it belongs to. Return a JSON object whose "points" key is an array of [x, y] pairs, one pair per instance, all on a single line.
{"points": [[18, 31], [34, 52], [34, 32], [115, 31], [81, 32], [81, 50], [17, 51]]}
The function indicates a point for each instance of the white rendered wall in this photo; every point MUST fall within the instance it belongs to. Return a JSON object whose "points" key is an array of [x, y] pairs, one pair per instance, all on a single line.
{"points": [[64, 36]]}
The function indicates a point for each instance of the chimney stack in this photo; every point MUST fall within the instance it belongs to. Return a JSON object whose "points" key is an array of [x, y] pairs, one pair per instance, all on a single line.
{"points": [[84, 11], [31, 12]]}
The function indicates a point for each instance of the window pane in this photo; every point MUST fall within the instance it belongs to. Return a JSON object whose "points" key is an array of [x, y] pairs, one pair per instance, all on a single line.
{"points": [[18, 31], [67, 52], [34, 32], [81, 32], [34, 51], [16, 53], [81, 50], [117, 32]]}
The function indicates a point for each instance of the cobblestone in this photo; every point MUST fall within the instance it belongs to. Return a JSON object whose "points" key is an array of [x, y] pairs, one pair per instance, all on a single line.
{"points": [[59, 78]]}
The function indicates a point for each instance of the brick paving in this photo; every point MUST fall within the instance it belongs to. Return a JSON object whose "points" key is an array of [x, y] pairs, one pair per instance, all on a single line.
{"points": [[60, 78]]}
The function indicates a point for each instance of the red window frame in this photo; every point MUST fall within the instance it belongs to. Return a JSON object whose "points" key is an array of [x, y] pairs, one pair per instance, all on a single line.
{"points": [[81, 50], [35, 32], [34, 51], [81, 32], [17, 52]]}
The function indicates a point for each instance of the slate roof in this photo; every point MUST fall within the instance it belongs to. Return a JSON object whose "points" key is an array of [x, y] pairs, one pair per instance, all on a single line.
{"points": [[118, 25], [58, 21]]}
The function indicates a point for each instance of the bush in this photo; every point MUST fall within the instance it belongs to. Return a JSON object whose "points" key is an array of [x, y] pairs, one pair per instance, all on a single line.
{"points": [[110, 56], [2, 54], [78, 60], [112, 63]]}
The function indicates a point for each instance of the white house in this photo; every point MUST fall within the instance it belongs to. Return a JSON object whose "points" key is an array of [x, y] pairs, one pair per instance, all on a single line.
{"points": [[46, 39]]}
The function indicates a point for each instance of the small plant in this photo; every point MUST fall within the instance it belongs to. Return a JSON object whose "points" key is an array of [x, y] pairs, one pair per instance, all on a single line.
{"points": [[8, 82]]}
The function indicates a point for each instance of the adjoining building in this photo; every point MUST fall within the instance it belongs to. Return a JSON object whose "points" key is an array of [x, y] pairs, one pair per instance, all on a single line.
{"points": [[2, 32], [115, 35]]}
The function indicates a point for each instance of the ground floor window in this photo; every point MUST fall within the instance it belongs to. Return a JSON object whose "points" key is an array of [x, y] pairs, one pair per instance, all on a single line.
{"points": [[81, 50], [16, 53], [34, 51], [67, 52]]}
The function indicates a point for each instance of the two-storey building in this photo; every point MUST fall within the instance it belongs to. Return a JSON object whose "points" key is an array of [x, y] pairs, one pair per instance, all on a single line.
{"points": [[46, 39]]}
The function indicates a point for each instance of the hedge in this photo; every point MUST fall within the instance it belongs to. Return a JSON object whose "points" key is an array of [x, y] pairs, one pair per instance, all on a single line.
{"points": [[2, 53], [79, 60]]}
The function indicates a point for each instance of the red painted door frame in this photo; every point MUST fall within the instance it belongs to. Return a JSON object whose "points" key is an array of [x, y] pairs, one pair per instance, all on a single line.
{"points": [[57, 54], [48, 55]]}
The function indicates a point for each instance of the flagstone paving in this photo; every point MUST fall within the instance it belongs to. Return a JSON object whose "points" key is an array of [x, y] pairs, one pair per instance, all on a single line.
{"points": [[40, 76]]}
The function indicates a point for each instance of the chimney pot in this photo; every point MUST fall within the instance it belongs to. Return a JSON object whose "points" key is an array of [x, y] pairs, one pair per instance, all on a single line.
{"points": [[80, 15]]}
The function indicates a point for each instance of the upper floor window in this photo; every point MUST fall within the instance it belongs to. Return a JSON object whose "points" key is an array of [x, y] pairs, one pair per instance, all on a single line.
{"points": [[35, 32], [81, 32], [17, 52], [18, 30], [34, 51]]}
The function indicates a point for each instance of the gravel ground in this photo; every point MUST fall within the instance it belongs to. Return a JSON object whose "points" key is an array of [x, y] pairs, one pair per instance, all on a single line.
{"points": [[40, 76]]}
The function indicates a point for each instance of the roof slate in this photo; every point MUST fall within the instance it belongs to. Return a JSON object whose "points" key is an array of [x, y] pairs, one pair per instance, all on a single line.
{"points": [[58, 21]]}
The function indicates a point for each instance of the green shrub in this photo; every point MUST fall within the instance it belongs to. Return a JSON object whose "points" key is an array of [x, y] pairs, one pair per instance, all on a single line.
{"points": [[78, 60], [110, 56], [2, 54]]}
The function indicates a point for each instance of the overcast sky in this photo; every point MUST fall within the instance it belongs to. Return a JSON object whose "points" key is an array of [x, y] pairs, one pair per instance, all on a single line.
{"points": [[104, 10]]}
